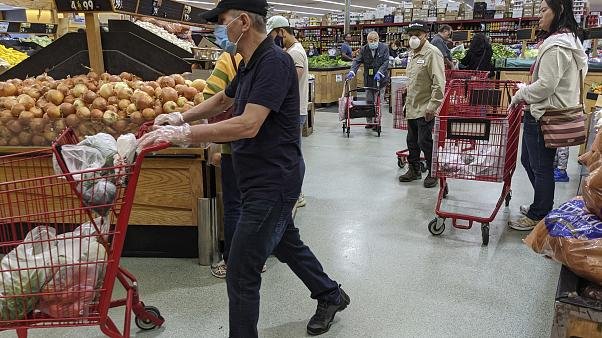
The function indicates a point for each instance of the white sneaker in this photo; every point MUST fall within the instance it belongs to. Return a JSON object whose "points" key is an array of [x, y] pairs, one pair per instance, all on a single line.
{"points": [[524, 209], [301, 201], [523, 224]]}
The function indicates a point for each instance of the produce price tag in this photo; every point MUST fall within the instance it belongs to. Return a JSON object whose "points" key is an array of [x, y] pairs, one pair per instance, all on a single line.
{"points": [[71, 6], [24, 27], [339, 77], [527, 34], [127, 6], [165, 9], [4, 27]]}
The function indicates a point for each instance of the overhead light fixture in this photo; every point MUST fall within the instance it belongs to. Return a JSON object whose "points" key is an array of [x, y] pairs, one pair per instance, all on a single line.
{"points": [[199, 2], [300, 6], [391, 2], [342, 4], [297, 12]]}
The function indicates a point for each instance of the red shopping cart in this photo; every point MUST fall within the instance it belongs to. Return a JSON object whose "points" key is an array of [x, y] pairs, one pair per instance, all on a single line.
{"points": [[62, 236], [399, 116], [476, 138], [353, 109]]}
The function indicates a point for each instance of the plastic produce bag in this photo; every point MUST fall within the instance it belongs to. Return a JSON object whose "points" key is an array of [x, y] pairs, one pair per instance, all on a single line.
{"points": [[592, 190], [100, 195], [79, 158], [105, 143], [25, 270], [74, 287], [126, 151], [571, 235]]}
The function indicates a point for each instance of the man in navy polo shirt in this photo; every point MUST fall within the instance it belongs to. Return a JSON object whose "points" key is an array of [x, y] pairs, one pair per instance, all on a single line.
{"points": [[266, 149]]}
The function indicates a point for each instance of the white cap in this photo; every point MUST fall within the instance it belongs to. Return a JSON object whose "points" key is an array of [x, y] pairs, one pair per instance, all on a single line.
{"points": [[276, 21]]}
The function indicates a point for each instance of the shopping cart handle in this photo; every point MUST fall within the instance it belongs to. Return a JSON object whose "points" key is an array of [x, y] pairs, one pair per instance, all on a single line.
{"points": [[146, 128]]}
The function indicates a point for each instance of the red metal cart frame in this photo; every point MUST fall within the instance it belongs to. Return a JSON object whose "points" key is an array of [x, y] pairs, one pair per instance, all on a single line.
{"points": [[33, 197], [400, 122], [476, 138]]}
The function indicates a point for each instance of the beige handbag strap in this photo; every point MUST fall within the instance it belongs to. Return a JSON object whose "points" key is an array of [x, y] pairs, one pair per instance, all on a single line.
{"points": [[581, 84]]}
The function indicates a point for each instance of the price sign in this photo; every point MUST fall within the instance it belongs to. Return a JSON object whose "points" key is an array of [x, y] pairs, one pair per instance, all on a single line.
{"points": [[70, 6], [4, 27], [339, 78], [193, 15], [595, 33], [461, 36], [127, 6], [165, 9], [527, 34]]}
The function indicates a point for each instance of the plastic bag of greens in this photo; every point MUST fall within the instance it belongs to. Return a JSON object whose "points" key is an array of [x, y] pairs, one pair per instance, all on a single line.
{"points": [[100, 195], [25, 270], [105, 143], [75, 286], [79, 158]]}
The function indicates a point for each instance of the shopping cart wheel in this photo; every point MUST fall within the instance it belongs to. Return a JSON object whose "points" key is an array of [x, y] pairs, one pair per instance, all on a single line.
{"points": [[348, 131], [147, 324], [401, 162], [485, 233], [437, 226], [378, 130], [344, 127], [508, 198]]}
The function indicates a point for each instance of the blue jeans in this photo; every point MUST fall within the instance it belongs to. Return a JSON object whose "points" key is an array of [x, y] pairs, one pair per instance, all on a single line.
{"points": [[232, 202], [267, 227], [539, 164]]}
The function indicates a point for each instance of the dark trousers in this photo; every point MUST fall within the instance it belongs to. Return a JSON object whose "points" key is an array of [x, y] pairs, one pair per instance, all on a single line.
{"points": [[539, 164], [232, 202], [420, 138], [267, 227]]}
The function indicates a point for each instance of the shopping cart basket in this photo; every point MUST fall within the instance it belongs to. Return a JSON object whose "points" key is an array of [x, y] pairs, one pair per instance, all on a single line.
{"points": [[456, 74], [353, 109], [62, 236], [476, 138], [399, 116]]}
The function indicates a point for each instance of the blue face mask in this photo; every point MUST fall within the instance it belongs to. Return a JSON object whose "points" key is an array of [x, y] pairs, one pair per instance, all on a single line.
{"points": [[221, 38], [373, 45]]}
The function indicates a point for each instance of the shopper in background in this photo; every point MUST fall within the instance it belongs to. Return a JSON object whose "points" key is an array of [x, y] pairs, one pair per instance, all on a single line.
{"points": [[346, 51], [375, 58], [424, 96], [394, 48], [479, 54], [312, 51], [440, 41], [561, 162], [557, 75], [279, 29], [266, 153]]}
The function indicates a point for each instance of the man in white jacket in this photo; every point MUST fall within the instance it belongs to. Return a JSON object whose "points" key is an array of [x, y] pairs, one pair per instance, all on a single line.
{"points": [[557, 74]]}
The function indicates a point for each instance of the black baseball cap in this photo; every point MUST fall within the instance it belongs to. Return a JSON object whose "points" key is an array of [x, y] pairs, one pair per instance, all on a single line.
{"points": [[254, 6], [418, 25]]}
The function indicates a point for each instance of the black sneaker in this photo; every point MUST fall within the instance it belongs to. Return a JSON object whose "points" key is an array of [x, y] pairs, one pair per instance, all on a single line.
{"points": [[321, 321], [411, 175], [430, 181]]}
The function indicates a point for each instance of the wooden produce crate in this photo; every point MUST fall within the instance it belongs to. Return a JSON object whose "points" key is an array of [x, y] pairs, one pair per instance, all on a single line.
{"points": [[169, 186], [575, 315]]}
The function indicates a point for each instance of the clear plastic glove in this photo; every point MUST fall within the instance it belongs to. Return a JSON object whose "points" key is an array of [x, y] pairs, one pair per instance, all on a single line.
{"points": [[350, 75], [177, 135], [171, 119], [521, 85]]}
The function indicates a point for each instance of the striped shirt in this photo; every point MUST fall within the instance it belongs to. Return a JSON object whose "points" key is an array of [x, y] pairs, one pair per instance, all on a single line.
{"points": [[220, 78]]}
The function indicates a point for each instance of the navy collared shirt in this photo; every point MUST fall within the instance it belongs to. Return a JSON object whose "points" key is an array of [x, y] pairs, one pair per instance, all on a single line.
{"points": [[268, 165]]}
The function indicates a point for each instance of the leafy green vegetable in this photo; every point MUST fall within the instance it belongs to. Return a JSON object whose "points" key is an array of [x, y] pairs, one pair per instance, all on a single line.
{"points": [[531, 53], [325, 61], [458, 54], [502, 51]]}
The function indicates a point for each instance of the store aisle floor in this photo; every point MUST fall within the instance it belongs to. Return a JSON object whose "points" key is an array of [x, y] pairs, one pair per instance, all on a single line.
{"points": [[370, 232]]}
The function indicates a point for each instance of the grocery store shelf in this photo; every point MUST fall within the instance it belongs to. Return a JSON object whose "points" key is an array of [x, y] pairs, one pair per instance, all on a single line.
{"points": [[402, 24]]}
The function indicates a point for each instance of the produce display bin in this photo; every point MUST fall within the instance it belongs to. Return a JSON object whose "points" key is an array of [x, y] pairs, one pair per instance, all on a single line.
{"points": [[574, 314], [164, 219], [122, 52]]}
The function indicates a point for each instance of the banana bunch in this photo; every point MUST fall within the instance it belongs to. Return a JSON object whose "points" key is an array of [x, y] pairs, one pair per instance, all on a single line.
{"points": [[11, 56]]}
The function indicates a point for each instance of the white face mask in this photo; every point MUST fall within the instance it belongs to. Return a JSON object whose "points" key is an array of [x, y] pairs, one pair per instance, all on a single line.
{"points": [[414, 42]]}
